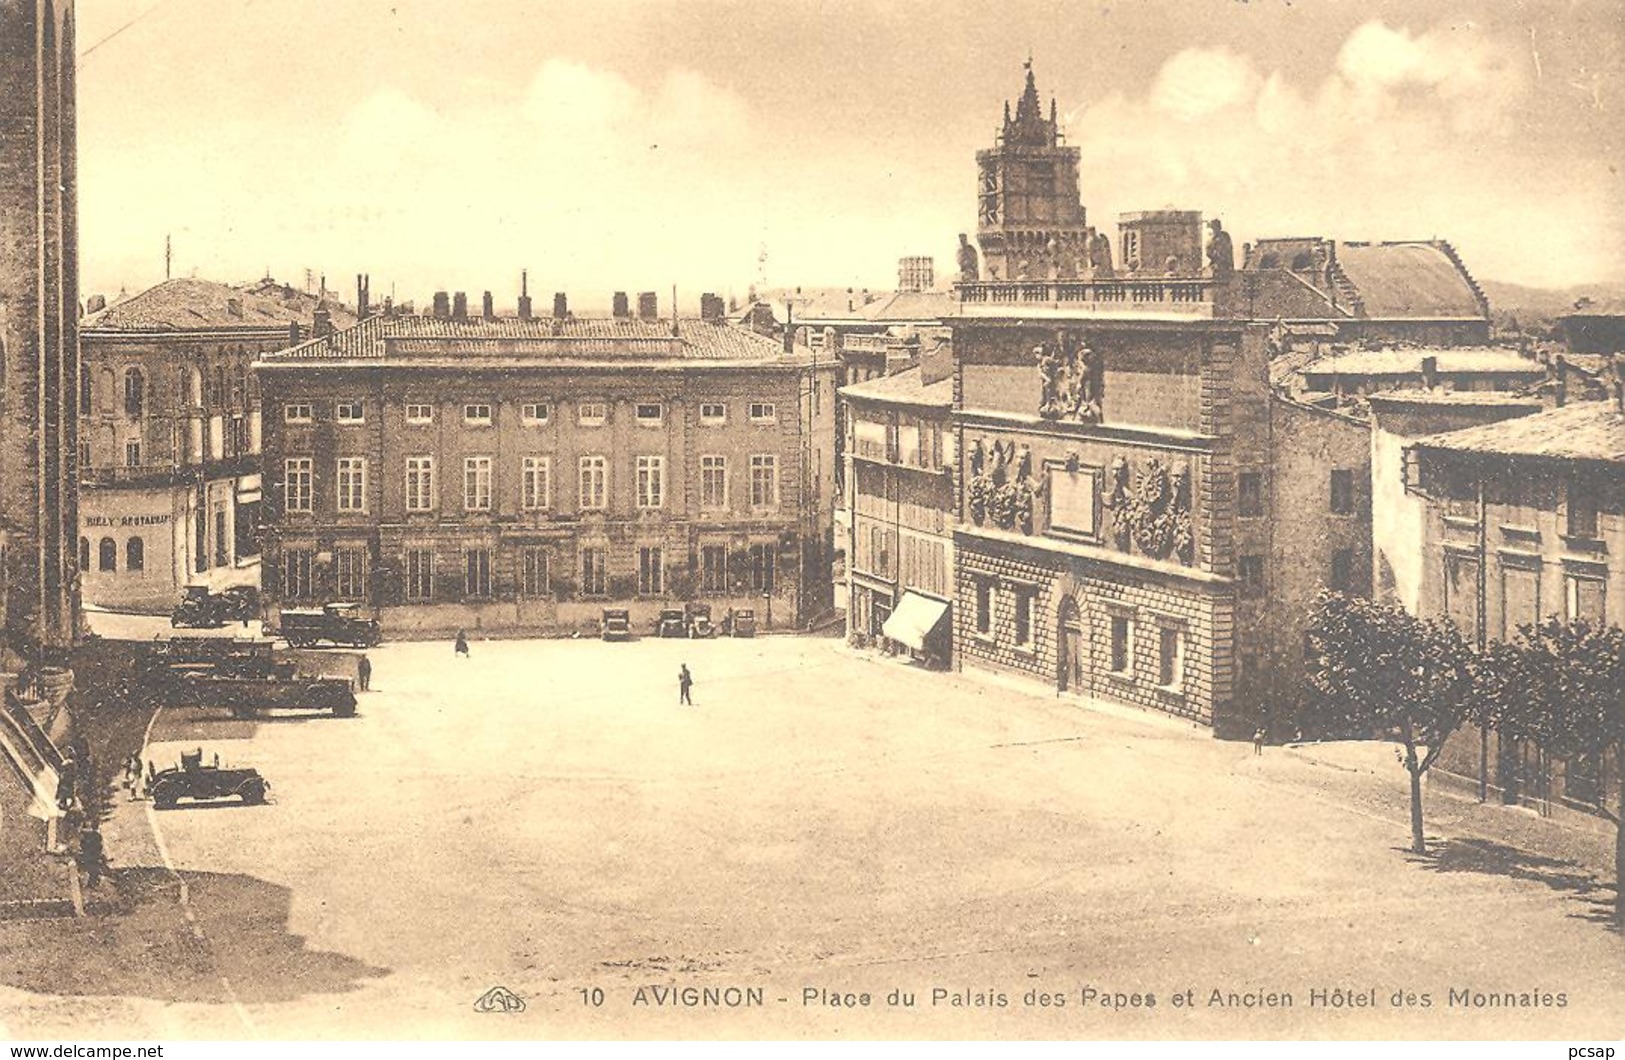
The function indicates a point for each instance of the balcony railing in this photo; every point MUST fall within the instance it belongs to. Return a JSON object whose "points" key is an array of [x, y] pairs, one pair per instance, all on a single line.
{"points": [[1193, 295]]}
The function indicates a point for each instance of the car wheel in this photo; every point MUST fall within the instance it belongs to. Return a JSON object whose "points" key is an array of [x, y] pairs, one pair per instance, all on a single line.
{"points": [[163, 798], [344, 709], [253, 792]]}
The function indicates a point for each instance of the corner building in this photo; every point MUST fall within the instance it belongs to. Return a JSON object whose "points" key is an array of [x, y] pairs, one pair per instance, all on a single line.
{"points": [[519, 475]]}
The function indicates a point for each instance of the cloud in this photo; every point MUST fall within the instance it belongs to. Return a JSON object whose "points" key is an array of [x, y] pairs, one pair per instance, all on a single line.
{"points": [[1406, 135]]}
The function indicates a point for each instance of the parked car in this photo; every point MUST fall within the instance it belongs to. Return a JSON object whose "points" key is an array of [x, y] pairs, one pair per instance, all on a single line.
{"points": [[741, 622], [671, 623], [616, 624], [241, 602], [204, 783], [248, 697], [340, 623], [199, 609], [699, 620], [158, 660]]}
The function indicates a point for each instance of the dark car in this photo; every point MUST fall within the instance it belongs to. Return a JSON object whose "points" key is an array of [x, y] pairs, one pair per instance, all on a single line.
{"points": [[616, 624], [240, 602], [248, 697], [741, 622], [671, 623], [340, 623], [169, 659], [204, 783], [699, 620], [199, 609]]}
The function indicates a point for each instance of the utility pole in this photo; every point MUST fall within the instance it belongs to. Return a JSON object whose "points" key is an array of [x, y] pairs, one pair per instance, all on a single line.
{"points": [[168, 255]]}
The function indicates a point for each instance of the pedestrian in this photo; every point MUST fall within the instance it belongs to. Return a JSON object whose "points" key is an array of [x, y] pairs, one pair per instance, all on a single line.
{"points": [[461, 644], [64, 781], [92, 855], [132, 773], [1258, 740], [685, 681], [363, 671]]}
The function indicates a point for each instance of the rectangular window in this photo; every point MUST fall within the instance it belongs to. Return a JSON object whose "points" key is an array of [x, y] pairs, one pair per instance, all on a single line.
{"points": [[593, 482], [352, 478], [1249, 494], [1122, 645], [984, 607], [763, 412], [1582, 511], [1342, 499], [477, 415], [477, 572], [713, 482], [764, 480], [222, 547], [1251, 572], [651, 581], [1024, 618], [477, 484], [592, 414], [1461, 594], [1342, 578], [1520, 599], [533, 580], [1170, 657], [534, 415], [296, 483], [350, 573], [296, 414], [714, 568], [132, 454], [419, 414], [296, 580], [536, 483], [713, 413], [349, 412], [419, 575], [594, 571], [1586, 598], [761, 568], [650, 413], [420, 483], [651, 481]]}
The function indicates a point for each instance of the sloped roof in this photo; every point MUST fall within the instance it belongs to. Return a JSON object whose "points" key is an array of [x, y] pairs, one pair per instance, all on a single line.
{"points": [[1407, 360], [1420, 279], [408, 340], [904, 388], [1586, 430], [1607, 307], [920, 306], [190, 304]]}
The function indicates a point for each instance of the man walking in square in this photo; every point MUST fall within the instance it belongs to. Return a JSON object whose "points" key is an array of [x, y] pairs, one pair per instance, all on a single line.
{"points": [[685, 681], [363, 673]]}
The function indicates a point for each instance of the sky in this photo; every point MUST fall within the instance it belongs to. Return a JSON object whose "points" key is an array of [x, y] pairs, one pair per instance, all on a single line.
{"points": [[641, 145]]}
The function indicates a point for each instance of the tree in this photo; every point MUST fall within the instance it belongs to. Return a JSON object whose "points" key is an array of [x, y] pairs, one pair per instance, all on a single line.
{"points": [[1382, 669], [1562, 685]]}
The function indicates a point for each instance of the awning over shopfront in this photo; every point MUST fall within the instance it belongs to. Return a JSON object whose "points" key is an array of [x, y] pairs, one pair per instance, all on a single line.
{"points": [[916, 616]]}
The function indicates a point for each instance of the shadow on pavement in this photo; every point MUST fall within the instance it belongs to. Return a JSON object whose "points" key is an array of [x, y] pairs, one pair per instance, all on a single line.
{"points": [[142, 946], [1498, 859]]}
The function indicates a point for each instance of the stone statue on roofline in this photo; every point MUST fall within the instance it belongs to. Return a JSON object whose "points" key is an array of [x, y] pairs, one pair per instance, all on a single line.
{"points": [[969, 268], [1100, 256], [1221, 257]]}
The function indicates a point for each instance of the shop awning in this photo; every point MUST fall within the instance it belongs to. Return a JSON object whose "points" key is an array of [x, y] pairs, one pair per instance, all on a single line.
{"points": [[916, 616]]}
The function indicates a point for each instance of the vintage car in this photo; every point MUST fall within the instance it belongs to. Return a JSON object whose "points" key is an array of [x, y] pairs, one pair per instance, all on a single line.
{"points": [[248, 697], [199, 609], [741, 622], [339, 623], [242, 602], [204, 783], [699, 620], [616, 624], [671, 623], [159, 660]]}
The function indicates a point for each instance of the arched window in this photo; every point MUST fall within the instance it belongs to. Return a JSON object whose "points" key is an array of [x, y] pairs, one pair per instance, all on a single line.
{"points": [[84, 553], [108, 554], [135, 391], [218, 398], [1302, 261], [84, 391], [194, 389], [105, 382], [1270, 261], [135, 554]]}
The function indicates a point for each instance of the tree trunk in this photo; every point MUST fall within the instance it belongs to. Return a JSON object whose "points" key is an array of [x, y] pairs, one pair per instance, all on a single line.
{"points": [[1619, 856], [1418, 843]]}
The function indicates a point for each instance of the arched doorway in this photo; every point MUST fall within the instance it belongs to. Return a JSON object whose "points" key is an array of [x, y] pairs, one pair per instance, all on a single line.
{"points": [[1073, 658]]}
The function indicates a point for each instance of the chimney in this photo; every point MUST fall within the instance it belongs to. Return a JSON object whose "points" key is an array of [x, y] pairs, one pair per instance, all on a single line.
{"points": [[561, 306], [234, 306], [442, 305], [96, 303], [648, 306], [1562, 381], [488, 308], [322, 324], [524, 295], [621, 309], [360, 296], [1430, 373], [389, 306], [761, 319], [459, 306], [711, 308], [293, 333]]}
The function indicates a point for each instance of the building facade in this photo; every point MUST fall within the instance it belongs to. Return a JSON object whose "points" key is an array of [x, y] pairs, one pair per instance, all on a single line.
{"points": [[169, 445], [519, 475], [1524, 520], [900, 550]]}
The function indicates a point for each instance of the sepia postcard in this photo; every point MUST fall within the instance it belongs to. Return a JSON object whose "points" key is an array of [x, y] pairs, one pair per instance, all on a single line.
{"points": [[797, 520]]}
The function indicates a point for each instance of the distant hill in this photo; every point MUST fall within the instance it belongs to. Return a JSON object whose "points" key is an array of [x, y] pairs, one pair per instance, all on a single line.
{"points": [[1535, 306]]}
